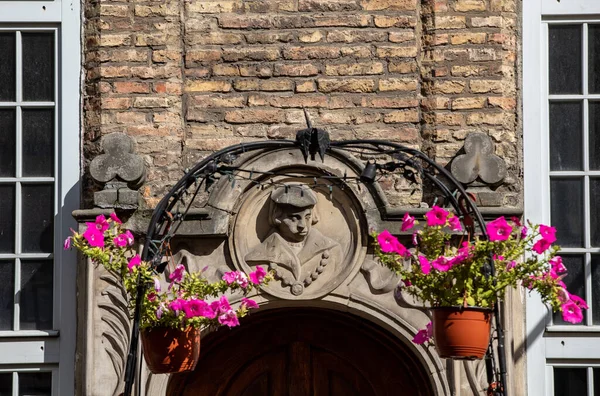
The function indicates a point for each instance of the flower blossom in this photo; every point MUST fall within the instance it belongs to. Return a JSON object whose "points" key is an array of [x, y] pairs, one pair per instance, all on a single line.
{"points": [[135, 261], [120, 241], [248, 303], [425, 265], [579, 301], [390, 244], [548, 233], [571, 312], [424, 335], [157, 285], [177, 305], [454, 223], [115, 218], [436, 216], [236, 277], [498, 230], [523, 232], [516, 221], [442, 264], [94, 237], [541, 246], [129, 236], [257, 276], [67, 243], [408, 222], [177, 274], [229, 319], [159, 311], [194, 308], [226, 315]]}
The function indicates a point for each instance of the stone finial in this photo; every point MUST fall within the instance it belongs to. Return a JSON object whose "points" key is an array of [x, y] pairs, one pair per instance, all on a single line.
{"points": [[479, 160], [120, 170]]}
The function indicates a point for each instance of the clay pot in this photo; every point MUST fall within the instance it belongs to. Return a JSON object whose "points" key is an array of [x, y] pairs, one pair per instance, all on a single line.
{"points": [[461, 333], [168, 350]]}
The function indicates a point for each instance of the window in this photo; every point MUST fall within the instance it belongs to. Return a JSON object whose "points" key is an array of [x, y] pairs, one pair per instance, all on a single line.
{"points": [[561, 138], [39, 188]]}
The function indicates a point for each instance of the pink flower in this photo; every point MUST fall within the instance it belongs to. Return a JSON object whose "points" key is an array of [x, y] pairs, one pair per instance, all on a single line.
{"points": [[257, 276], [114, 217], [177, 305], [389, 244], [423, 335], [94, 237], [229, 277], [408, 222], [436, 216], [541, 246], [67, 243], [579, 301], [425, 265], [248, 303], [129, 236], [159, 311], [511, 265], [236, 277], [134, 262], [548, 233], [441, 264], [194, 308], [101, 223], [571, 312], [523, 232], [177, 274], [157, 285], [229, 319], [498, 230], [151, 296], [415, 239], [120, 240], [454, 223], [516, 221], [557, 266], [563, 295]]}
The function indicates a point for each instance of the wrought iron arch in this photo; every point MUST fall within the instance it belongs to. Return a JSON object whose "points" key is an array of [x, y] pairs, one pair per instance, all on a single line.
{"points": [[393, 158]]}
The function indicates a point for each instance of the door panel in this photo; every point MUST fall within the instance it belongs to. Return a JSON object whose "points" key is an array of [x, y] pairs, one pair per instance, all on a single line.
{"points": [[301, 352]]}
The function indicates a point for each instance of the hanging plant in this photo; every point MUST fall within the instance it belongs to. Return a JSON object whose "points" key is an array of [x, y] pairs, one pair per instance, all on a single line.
{"points": [[455, 279], [171, 319]]}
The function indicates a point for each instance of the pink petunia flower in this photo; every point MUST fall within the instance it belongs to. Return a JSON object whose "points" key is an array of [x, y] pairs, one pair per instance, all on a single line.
{"points": [[436, 216], [511, 265], [94, 237], [498, 230], [408, 222], [101, 223], [571, 312], [236, 277], [441, 264], [248, 303], [151, 296], [177, 305], [557, 264], [229, 277], [67, 243], [159, 311], [523, 232], [129, 236], [115, 218], [516, 221], [177, 274], [548, 233], [415, 239], [541, 246], [425, 265], [194, 308], [424, 335], [579, 301], [257, 276], [157, 285], [135, 261], [120, 241], [454, 223], [229, 319], [389, 244]]}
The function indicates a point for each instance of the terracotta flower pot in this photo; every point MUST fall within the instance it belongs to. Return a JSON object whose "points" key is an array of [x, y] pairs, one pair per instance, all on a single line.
{"points": [[461, 333], [168, 350]]}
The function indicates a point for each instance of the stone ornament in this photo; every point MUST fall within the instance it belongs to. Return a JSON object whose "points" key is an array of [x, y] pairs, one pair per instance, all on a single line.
{"points": [[479, 160], [120, 170], [308, 237]]}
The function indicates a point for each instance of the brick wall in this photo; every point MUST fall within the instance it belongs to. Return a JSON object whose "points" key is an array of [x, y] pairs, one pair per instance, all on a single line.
{"points": [[184, 78]]}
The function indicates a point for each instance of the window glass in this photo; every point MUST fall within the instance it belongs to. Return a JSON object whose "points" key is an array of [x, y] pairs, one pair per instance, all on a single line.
{"points": [[565, 60], [569, 381]]}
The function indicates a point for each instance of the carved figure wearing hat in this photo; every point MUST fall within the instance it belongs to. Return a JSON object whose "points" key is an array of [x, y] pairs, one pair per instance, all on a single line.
{"points": [[299, 254]]}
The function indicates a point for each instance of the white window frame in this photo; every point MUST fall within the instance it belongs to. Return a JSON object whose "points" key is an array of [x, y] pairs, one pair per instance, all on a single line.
{"points": [[547, 347], [54, 350]]}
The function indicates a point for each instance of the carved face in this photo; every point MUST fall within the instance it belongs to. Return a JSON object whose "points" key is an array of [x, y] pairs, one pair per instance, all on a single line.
{"points": [[294, 224]]}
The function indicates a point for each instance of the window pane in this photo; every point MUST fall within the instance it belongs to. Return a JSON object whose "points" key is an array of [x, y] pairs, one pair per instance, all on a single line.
{"points": [[7, 218], [566, 128], [594, 108], [38, 66], [596, 381], [594, 58], [570, 381], [6, 384], [595, 211], [8, 133], [35, 301], [8, 80], [7, 280], [35, 384], [38, 142], [565, 59], [566, 206], [596, 293], [575, 281], [37, 218]]}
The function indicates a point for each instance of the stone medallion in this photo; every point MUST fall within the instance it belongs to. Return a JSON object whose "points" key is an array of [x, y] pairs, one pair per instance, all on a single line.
{"points": [[307, 233]]}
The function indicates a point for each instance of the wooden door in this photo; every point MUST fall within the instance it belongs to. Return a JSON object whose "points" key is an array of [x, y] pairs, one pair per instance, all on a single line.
{"points": [[301, 352]]}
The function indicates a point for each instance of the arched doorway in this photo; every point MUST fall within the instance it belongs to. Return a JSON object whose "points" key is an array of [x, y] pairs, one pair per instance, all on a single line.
{"points": [[304, 352]]}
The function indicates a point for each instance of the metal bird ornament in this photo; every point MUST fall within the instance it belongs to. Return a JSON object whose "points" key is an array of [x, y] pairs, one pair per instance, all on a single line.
{"points": [[312, 140]]}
